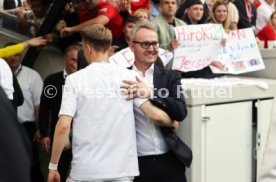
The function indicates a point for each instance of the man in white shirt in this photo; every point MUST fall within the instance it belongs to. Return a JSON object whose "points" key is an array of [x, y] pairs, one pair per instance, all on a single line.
{"points": [[31, 85], [104, 142], [162, 156]]}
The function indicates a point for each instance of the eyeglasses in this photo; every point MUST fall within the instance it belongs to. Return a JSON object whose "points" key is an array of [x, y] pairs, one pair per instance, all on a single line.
{"points": [[146, 44]]}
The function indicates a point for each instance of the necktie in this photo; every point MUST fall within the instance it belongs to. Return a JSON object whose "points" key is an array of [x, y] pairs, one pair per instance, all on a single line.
{"points": [[249, 12]]}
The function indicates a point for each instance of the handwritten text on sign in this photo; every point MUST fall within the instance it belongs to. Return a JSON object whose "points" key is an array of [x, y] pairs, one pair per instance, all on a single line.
{"points": [[199, 45], [241, 53]]}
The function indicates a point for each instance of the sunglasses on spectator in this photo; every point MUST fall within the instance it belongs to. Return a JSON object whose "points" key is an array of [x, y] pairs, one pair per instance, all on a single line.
{"points": [[146, 44]]}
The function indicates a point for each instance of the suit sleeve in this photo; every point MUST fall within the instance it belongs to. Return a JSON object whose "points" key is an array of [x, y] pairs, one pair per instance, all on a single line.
{"points": [[174, 104], [44, 113]]}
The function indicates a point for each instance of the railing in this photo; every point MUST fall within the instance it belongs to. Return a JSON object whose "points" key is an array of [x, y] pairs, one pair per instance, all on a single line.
{"points": [[9, 28], [8, 16]]}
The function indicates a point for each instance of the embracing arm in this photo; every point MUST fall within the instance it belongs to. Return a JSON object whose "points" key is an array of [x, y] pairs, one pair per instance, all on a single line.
{"points": [[61, 138], [157, 115], [174, 105]]}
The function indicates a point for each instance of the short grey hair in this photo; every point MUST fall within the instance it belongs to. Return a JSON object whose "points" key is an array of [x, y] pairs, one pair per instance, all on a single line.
{"points": [[140, 25], [76, 47]]}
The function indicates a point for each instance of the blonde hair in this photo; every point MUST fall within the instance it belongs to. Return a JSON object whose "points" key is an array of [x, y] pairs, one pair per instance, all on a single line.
{"points": [[141, 10], [270, 19], [97, 36], [226, 24]]}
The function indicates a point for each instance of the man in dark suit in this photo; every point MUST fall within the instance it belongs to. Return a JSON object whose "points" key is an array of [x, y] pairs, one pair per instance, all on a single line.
{"points": [[50, 103], [247, 14], [162, 156]]}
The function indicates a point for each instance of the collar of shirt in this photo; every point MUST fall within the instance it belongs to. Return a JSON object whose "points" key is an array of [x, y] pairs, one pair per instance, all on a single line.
{"points": [[65, 74], [149, 71], [18, 70], [172, 23]]}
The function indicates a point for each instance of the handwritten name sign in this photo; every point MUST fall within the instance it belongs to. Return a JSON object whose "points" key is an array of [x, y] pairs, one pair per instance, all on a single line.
{"points": [[241, 53], [199, 45]]}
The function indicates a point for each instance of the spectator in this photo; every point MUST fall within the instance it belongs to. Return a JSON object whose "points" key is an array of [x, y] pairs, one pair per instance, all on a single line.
{"points": [[142, 14], [154, 9], [247, 14], [220, 14], [31, 85], [98, 12], [165, 23], [194, 12], [15, 49], [263, 13], [233, 15], [139, 4], [269, 31], [50, 103], [34, 18], [125, 38]]}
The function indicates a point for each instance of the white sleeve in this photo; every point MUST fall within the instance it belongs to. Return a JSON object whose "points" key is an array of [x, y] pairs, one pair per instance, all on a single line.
{"points": [[69, 98], [6, 80]]}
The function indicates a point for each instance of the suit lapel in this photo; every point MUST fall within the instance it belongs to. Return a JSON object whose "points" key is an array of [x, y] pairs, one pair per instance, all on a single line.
{"points": [[158, 79]]}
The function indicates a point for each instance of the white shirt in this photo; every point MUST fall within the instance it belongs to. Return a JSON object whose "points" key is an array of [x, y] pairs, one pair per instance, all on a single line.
{"points": [[6, 81], [150, 140], [264, 12], [31, 85], [104, 141]]}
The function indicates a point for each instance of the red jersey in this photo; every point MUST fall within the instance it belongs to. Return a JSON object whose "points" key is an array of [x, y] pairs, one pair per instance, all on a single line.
{"points": [[115, 23], [267, 33], [137, 4]]}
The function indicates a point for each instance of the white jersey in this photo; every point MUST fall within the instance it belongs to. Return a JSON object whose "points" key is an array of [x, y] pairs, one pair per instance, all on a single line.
{"points": [[104, 144]]}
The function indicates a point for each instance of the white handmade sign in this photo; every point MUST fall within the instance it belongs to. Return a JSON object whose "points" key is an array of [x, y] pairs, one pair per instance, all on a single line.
{"points": [[241, 53], [199, 45]]}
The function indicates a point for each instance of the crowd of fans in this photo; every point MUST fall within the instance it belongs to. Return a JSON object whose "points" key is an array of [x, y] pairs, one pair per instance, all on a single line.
{"points": [[235, 14]]}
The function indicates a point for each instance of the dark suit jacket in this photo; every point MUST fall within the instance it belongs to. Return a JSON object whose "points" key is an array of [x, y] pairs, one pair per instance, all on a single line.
{"points": [[174, 105], [243, 18], [49, 106]]}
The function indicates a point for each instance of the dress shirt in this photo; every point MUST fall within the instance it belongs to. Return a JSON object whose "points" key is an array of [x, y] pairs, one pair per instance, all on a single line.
{"points": [[31, 85], [65, 74], [104, 140], [150, 140]]}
